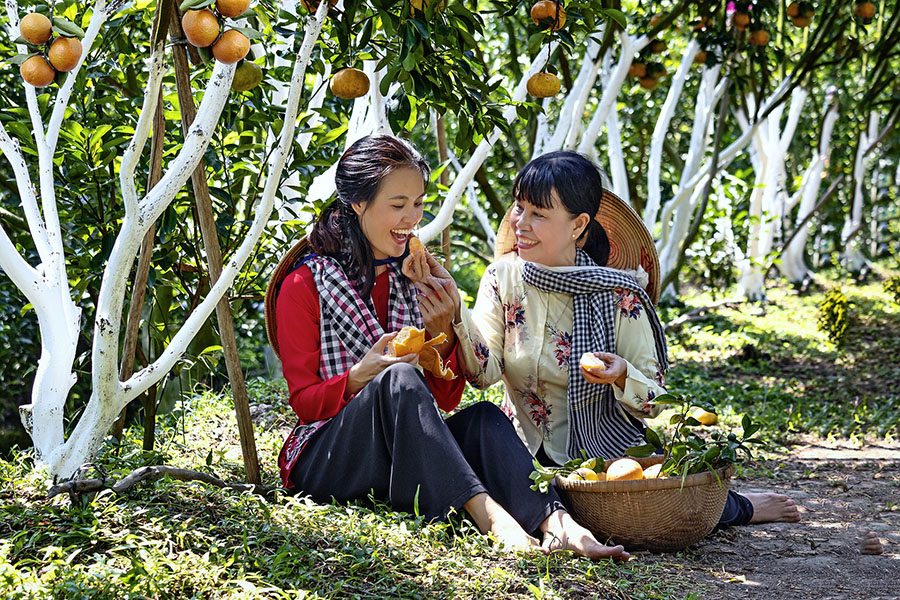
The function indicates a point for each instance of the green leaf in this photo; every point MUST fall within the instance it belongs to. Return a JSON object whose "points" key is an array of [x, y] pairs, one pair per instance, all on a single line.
{"points": [[18, 59], [250, 33], [194, 4], [641, 451], [617, 16], [67, 28]]}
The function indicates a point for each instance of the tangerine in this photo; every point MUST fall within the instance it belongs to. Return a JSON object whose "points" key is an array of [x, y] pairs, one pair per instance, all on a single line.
{"points": [[64, 54], [624, 469], [548, 9], [37, 71], [232, 8], [543, 85], [231, 47], [35, 28], [201, 27], [349, 84]]}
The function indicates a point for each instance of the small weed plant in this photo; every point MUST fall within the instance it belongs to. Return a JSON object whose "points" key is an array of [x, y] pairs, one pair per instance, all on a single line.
{"points": [[834, 315]]}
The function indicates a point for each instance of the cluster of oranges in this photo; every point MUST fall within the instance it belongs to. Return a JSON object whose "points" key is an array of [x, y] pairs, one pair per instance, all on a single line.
{"points": [[649, 72], [62, 55], [201, 28], [550, 15], [623, 469]]}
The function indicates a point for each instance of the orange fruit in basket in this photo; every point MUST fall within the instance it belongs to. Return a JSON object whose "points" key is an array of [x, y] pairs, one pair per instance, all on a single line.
{"points": [[584, 474], [652, 472], [591, 363], [624, 469]]}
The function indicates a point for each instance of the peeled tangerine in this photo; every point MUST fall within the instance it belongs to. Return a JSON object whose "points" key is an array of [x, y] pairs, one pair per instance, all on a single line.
{"points": [[624, 469], [416, 246], [411, 340], [591, 363]]}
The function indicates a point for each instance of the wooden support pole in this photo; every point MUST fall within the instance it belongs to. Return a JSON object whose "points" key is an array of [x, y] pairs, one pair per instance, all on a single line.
{"points": [[214, 257]]}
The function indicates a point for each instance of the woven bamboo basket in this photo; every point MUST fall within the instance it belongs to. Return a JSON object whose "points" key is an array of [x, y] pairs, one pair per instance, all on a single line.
{"points": [[660, 515]]}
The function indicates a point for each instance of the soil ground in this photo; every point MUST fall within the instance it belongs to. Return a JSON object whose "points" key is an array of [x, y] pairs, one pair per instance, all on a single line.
{"points": [[843, 490]]}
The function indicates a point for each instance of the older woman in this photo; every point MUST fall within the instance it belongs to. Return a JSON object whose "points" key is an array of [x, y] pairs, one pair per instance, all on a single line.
{"points": [[550, 300]]}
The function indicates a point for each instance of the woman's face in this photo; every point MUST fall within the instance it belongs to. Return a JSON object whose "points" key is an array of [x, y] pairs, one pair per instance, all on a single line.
{"points": [[546, 235], [389, 217]]}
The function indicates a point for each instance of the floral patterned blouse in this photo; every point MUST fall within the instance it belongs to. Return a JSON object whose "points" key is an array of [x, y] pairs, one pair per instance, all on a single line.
{"points": [[523, 335]]}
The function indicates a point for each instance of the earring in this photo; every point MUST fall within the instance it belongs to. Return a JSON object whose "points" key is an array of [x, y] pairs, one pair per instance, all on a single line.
{"points": [[573, 236]]}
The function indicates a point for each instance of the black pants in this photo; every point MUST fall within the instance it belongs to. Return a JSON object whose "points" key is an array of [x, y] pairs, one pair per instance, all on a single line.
{"points": [[738, 509], [392, 442]]}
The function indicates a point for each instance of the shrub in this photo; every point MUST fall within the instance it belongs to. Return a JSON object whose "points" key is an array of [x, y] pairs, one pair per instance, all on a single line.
{"points": [[892, 288], [834, 315]]}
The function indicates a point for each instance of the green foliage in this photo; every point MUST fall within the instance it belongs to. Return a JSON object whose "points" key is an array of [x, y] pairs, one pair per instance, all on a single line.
{"points": [[892, 288], [171, 539], [834, 315], [687, 451], [544, 476]]}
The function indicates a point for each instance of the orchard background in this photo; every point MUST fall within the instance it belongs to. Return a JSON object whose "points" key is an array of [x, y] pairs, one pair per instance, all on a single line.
{"points": [[757, 141]]}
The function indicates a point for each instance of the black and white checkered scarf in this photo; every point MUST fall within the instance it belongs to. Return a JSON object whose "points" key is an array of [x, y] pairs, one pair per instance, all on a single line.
{"points": [[596, 423], [349, 327]]}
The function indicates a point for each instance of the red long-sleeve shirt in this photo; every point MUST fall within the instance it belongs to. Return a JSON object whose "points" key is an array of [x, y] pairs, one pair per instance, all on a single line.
{"points": [[298, 322]]}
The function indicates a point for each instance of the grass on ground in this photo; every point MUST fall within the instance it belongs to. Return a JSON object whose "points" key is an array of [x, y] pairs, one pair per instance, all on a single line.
{"points": [[188, 540]]}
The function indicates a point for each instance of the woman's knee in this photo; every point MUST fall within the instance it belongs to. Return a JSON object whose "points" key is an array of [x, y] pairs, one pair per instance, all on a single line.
{"points": [[404, 386], [488, 413]]}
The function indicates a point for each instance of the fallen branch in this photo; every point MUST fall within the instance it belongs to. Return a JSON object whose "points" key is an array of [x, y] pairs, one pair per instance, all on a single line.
{"points": [[152, 473]]}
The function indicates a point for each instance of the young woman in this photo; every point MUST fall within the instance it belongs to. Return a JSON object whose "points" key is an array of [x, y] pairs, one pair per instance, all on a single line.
{"points": [[368, 421], [550, 300]]}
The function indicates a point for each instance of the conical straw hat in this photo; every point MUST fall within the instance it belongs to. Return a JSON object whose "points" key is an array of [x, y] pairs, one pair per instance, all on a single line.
{"points": [[285, 266], [630, 244]]}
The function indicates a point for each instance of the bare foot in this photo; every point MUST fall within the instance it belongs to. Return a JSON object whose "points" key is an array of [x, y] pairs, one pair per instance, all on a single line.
{"points": [[561, 532], [514, 539], [773, 508], [870, 544], [493, 519]]}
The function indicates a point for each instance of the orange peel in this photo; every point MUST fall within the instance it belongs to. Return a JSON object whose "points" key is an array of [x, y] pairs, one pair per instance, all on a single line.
{"points": [[411, 340]]}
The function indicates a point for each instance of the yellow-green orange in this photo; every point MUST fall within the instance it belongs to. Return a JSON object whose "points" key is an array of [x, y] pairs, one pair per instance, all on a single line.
{"points": [[543, 85], [349, 83], [247, 76]]}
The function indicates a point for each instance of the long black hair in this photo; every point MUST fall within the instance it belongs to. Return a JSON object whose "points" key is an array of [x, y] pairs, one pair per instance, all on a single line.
{"points": [[578, 185], [337, 232]]}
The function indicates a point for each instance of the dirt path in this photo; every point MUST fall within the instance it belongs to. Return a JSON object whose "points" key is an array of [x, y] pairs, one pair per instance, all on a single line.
{"points": [[842, 489]]}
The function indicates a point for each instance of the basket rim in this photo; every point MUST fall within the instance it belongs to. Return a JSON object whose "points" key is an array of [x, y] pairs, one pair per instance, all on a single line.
{"points": [[722, 474]]}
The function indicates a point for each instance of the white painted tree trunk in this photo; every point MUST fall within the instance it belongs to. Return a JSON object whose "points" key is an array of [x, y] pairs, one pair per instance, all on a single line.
{"points": [[46, 286], [853, 256], [654, 163], [770, 147], [793, 265]]}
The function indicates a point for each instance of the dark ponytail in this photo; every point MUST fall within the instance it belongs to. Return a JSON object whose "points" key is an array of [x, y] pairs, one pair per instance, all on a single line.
{"points": [[579, 186], [337, 232]]}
